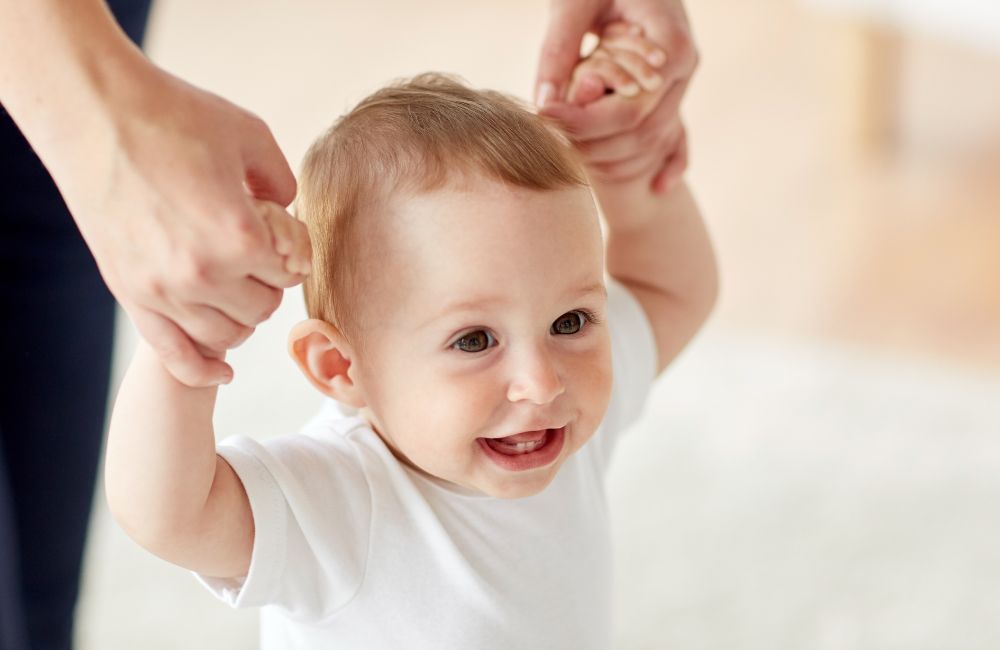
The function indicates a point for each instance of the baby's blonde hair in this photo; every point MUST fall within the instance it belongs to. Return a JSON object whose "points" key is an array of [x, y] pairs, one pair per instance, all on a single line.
{"points": [[414, 135]]}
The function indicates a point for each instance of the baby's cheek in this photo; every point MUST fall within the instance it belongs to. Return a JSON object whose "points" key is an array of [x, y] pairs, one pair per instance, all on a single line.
{"points": [[464, 406], [594, 379]]}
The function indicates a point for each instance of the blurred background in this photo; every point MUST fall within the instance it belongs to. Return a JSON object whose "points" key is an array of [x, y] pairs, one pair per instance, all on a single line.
{"points": [[821, 469]]}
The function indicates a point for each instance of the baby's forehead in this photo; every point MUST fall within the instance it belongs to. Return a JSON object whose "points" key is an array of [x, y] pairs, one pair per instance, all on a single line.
{"points": [[461, 243]]}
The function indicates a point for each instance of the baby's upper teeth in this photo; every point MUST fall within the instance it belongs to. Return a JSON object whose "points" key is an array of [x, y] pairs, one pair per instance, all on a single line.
{"points": [[525, 446]]}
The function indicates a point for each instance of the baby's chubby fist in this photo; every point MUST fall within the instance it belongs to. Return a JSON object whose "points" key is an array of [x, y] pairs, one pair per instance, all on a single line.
{"points": [[289, 237], [621, 113], [623, 63]]}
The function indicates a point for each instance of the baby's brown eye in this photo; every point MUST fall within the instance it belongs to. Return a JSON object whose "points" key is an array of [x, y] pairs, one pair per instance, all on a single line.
{"points": [[568, 323], [474, 341]]}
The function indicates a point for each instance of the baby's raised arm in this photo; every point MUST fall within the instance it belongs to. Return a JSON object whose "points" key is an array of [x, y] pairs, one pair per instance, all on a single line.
{"points": [[657, 244], [658, 247], [165, 484]]}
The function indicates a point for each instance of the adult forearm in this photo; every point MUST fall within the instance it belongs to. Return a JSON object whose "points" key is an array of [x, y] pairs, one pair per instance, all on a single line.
{"points": [[58, 62]]}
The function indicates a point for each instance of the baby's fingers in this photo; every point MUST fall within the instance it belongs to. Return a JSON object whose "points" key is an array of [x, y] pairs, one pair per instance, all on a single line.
{"points": [[585, 88], [301, 248], [289, 237], [628, 37], [599, 70], [636, 66]]}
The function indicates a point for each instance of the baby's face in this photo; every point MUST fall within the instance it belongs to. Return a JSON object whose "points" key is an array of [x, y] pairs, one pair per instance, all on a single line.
{"points": [[483, 319]]}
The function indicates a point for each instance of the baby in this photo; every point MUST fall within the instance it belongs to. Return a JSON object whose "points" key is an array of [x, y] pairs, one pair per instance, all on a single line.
{"points": [[480, 366]]}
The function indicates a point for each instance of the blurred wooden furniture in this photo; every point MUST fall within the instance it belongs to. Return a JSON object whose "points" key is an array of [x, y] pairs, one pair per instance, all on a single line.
{"points": [[875, 33]]}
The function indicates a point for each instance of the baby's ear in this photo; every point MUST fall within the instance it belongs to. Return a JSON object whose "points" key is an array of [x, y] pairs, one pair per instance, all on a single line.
{"points": [[325, 357]]}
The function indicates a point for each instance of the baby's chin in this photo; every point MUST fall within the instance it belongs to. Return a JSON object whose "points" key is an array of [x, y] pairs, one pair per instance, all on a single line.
{"points": [[520, 485]]}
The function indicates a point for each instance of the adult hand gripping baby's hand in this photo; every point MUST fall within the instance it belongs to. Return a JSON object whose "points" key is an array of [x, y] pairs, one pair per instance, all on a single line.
{"points": [[631, 139], [179, 195]]}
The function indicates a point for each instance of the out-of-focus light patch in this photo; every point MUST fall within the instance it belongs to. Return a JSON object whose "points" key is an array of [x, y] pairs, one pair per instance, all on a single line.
{"points": [[973, 22]]}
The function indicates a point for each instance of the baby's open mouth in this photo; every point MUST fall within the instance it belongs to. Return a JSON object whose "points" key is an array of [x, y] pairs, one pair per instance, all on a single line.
{"points": [[525, 450], [520, 443]]}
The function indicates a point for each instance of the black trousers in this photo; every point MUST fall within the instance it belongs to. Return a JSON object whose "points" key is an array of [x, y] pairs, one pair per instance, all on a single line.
{"points": [[56, 328]]}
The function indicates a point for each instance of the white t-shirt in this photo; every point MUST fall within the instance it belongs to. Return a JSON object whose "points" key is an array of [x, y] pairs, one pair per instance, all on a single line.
{"points": [[353, 549]]}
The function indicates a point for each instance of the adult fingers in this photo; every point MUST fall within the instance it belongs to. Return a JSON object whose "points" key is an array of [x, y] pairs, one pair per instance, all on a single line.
{"points": [[673, 168], [598, 119], [177, 352], [667, 152], [620, 28], [659, 127], [208, 327], [666, 23], [267, 174], [569, 20], [602, 119], [246, 300], [643, 165]]}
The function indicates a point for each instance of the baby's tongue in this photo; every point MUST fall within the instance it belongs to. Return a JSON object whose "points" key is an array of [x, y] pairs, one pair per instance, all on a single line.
{"points": [[527, 436]]}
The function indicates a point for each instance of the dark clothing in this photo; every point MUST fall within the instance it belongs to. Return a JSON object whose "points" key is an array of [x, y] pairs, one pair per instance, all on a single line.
{"points": [[56, 327]]}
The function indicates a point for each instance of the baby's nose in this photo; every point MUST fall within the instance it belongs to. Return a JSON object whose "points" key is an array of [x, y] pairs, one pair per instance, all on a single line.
{"points": [[535, 378]]}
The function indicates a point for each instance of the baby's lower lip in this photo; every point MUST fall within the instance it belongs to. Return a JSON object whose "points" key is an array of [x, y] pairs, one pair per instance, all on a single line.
{"points": [[527, 455]]}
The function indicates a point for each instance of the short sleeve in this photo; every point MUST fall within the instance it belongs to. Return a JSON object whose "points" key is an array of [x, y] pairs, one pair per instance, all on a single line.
{"points": [[312, 517], [633, 360]]}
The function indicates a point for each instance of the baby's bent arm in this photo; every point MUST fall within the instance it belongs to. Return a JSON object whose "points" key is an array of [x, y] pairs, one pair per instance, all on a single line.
{"points": [[658, 247], [165, 484]]}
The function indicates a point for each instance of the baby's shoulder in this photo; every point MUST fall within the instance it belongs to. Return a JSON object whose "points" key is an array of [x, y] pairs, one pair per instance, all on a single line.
{"points": [[333, 446]]}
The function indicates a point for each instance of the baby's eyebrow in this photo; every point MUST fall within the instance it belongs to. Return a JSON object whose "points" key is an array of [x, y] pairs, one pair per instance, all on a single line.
{"points": [[485, 301], [469, 304], [597, 287]]}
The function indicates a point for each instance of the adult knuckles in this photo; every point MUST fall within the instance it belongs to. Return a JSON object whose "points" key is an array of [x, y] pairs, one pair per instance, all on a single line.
{"points": [[247, 237], [193, 271], [256, 124], [151, 286]]}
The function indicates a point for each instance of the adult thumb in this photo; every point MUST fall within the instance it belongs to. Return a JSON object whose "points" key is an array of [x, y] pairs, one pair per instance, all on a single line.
{"points": [[569, 20], [267, 174]]}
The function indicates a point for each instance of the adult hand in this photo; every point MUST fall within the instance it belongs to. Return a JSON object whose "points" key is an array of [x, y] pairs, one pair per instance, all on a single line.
{"points": [[164, 197], [631, 139], [177, 192]]}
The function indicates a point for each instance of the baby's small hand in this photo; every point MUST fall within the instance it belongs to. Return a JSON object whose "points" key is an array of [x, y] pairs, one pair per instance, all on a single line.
{"points": [[621, 78], [291, 243], [623, 63]]}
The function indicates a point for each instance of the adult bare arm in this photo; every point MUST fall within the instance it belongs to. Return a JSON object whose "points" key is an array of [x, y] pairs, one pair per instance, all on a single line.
{"points": [[616, 126], [160, 176]]}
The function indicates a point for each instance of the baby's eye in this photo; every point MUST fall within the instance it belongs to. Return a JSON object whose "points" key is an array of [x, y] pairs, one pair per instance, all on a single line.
{"points": [[474, 341], [569, 323]]}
